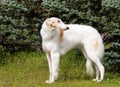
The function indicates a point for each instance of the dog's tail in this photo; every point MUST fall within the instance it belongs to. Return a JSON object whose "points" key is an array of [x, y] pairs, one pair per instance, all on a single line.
{"points": [[89, 67]]}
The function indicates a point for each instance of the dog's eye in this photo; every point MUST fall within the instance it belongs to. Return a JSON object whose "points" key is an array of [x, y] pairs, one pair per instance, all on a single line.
{"points": [[58, 20]]}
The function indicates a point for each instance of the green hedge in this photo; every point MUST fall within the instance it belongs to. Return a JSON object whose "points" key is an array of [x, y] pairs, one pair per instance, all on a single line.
{"points": [[22, 19], [20, 25]]}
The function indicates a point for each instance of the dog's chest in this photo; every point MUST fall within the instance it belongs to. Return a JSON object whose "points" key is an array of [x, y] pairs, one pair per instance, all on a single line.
{"points": [[48, 46]]}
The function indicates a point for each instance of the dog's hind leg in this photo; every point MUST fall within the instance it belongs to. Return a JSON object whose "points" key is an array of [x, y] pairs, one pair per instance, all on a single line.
{"points": [[98, 65], [97, 73], [101, 69]]}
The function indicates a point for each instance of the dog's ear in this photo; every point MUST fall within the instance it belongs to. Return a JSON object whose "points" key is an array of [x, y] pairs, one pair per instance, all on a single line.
{"points": [[47, 21]]}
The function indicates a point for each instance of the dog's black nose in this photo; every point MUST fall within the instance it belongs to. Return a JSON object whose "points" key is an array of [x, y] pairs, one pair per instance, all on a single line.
{"points": [[67, 28]]}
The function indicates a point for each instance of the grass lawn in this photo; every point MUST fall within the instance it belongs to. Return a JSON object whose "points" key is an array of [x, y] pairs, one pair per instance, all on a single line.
{"points": [[25, 69]]}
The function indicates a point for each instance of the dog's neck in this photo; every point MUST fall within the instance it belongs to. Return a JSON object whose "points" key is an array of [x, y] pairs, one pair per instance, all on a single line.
{"points": [[61, 35]]}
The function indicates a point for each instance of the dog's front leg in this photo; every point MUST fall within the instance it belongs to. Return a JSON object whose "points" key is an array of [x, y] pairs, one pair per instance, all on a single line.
{"points": [[53, 62], [55, 57], [48, 55]]}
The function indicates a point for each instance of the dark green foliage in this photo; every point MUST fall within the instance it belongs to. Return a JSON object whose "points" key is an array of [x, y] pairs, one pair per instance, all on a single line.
{"points": [[21, 20], [19, 25], [112, 40]]}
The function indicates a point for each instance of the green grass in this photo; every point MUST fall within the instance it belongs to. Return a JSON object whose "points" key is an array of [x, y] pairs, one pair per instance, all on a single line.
{"points": [[30, 69]]}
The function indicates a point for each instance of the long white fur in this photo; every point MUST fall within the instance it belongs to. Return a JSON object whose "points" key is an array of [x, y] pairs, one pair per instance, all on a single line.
{"points": [[84, 37]]}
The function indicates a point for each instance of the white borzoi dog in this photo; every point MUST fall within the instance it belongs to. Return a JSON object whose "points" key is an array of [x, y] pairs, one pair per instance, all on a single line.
{"points": [[58, 38]]}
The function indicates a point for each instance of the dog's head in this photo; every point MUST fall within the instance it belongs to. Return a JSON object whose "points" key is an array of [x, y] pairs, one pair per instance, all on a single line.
{"points": [[55, 23]]}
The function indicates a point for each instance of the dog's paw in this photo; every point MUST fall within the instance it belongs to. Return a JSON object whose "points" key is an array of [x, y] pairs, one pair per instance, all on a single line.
{"points": [[94, 79], [49, 81], [97, 80]]}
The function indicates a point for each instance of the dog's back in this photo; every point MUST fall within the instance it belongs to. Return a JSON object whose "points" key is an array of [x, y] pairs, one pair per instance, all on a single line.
{"points": [[79, 35]]}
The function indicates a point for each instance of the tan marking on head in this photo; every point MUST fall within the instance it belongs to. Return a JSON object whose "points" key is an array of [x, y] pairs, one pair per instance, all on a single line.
{"points": [[51, 22], [61, 35], [95, 45]]}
